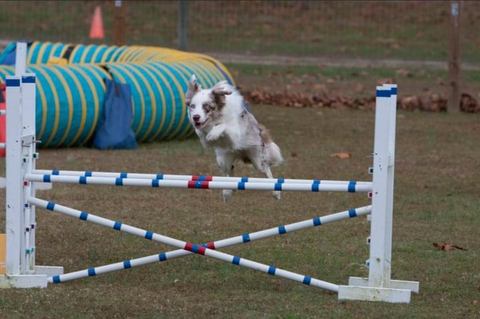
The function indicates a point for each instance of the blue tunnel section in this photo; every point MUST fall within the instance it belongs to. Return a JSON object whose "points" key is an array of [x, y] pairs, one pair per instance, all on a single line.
{"points": [[71, 89]]}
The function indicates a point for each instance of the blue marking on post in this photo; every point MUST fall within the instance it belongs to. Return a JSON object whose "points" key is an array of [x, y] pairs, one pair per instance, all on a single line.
{"points": [[127, 264], [236, 260], [162, 257], [307, 280], [91, 272], [118, 181], [55, 172], [28, 79], [351, 186], [13, 82], [315, 185], [123, 175], [271, 270], [50, 206], [352, 213], [117, 225], [154, 182], [383, 93], [149, 235], [393, 91], [88, 174], [317, 221], [56, 279], [281, 180], [83, 216], [82, 180], [281, 230], [246, 238], [46, 179], [244, 179], [159, 176], [241, 186], [201, 178], [195, 248], [278, 186]]}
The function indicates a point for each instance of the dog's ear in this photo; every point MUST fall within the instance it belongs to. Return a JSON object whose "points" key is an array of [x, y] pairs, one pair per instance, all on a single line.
{"points": [[218, 93], [193, 87], [222, 88]]}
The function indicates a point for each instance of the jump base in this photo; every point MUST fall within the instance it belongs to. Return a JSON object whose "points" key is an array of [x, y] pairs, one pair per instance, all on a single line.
{"points": [[413, 286], [37, 280], [374, 294]]}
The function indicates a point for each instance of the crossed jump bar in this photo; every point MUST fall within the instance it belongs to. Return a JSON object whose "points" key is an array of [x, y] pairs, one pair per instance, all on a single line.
{"points": [[208, 249]]}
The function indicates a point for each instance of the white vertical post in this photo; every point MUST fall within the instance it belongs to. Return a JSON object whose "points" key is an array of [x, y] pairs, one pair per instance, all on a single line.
{"points": [[28, 117], [20, 58], [379, 286], [21, 271], [390, 178], [382, 200], [14, 191]]}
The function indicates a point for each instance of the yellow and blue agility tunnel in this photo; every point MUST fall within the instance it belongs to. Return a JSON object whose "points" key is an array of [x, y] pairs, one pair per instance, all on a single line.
{"points": [[71, 89]]}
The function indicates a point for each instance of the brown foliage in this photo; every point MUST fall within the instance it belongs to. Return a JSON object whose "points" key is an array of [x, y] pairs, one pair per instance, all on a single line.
{"points": [[447, 247], [432, 103]]}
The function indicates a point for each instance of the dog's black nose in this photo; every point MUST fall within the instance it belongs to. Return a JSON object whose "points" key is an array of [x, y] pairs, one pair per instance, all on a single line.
{"points": [[196, 118]]}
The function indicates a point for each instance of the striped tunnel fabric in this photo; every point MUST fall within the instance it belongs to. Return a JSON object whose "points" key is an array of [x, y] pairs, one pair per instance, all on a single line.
{"points": [[71, 89]]}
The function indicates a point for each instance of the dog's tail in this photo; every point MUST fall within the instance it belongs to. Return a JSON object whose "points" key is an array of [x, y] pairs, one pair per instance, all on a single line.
{"points": [[273, 154]]}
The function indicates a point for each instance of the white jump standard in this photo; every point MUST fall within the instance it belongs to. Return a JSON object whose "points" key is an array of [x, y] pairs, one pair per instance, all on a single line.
{"points": [[21, 201]]}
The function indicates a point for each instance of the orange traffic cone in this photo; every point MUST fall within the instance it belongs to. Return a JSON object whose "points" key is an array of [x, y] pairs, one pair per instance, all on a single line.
{"points": [[96, 30]]}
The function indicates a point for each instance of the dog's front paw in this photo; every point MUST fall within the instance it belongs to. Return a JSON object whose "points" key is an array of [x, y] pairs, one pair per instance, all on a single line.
{"points": [[213, 135], [216, 132], [227, 195], [277, 195]]}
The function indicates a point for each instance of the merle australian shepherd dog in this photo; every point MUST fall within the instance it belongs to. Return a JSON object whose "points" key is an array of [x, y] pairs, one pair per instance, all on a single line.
{"points": [[223, 123]]}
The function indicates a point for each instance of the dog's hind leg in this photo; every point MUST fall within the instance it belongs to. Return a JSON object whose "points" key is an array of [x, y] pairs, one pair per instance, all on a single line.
{"points": [[225, 161], [261, 165], [268, 172]]}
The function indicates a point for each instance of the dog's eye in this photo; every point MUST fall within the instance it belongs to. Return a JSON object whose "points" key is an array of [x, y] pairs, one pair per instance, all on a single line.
{"points": [[207, 107], [190, 105]]}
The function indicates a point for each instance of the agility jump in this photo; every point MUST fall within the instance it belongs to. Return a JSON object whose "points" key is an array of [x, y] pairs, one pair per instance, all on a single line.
{"points": [[21, 202]]}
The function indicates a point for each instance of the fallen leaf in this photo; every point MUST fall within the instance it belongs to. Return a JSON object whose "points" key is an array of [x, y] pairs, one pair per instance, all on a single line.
{"points": [[293, 154], [341, 155], [385, 81], [447, 247], [468, 103], [403, 72]]}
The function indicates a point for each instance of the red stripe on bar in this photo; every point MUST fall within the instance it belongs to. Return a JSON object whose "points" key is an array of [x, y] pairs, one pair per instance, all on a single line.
{"points": [[191, 184], [205, 185], [188, 246], [211, 245], [201, 250], [208, 178], [195, 177]]}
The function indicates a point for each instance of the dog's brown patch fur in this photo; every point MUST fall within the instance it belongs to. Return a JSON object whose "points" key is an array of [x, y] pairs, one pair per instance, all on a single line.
{"points": [[219, 100], [264, 134]]}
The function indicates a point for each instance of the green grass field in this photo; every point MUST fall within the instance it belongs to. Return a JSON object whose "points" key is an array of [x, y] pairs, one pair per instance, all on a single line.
{"points": [[436, 200], [414, 30]]}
